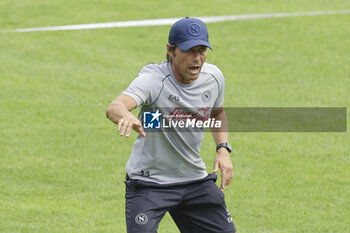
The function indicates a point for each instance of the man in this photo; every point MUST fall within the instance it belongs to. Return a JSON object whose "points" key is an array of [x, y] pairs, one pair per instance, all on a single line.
{"points": [[165, 171]]}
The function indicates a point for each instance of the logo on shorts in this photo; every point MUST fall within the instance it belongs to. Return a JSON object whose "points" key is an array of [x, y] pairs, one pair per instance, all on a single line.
{"points": [[141, 219], [194, 29], [229, 219], [151, 120], [206, 96]]}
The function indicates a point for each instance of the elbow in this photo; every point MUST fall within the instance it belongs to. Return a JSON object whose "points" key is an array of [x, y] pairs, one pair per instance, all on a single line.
{"points": [[109, 112], [217, 113]]}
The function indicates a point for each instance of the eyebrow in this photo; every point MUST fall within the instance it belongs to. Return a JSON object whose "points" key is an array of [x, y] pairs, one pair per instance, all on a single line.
{"points": [[199, 47]]}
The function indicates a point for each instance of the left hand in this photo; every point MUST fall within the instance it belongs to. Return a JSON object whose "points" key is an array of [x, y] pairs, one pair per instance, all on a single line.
{"points": [[223, 161]]}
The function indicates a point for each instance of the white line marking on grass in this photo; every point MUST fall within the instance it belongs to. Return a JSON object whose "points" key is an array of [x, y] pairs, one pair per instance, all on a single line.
{"points": [[170, 21]]}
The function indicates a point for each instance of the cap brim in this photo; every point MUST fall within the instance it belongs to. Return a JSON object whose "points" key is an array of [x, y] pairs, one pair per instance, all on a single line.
{"points": [[192, 43]]}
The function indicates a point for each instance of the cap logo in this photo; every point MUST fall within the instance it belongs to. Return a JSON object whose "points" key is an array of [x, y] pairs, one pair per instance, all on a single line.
{"points": [[194, 29]]}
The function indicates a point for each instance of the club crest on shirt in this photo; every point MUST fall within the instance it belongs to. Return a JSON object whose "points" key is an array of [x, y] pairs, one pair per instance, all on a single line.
{"points": [[206, 96]]}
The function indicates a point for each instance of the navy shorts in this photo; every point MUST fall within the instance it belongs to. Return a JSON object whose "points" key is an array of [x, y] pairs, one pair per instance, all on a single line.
{"points": [[196, 207]]}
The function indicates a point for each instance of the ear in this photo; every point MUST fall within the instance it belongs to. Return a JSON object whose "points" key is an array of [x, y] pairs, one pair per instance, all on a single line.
{"points": [[170, 52]]}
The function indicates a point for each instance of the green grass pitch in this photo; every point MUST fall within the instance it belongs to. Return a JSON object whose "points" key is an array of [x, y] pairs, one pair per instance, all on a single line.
{"points": [[62, 162]]}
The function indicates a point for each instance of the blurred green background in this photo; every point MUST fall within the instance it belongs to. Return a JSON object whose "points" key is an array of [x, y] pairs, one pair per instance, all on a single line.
{"points": [[62, 162]]}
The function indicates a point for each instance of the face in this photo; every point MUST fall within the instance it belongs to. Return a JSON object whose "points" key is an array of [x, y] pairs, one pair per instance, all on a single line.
{"points": [[187, 64]]}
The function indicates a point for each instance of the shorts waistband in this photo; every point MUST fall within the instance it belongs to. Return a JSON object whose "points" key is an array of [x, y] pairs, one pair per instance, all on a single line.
{"points": [[142, 183]]}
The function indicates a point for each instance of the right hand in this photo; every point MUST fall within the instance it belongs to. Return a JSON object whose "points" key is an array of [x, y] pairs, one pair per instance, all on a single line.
{"points": [[128, 123]]}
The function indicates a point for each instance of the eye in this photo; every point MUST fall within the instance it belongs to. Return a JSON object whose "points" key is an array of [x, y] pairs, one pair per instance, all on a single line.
{"points": [[202, 49]]}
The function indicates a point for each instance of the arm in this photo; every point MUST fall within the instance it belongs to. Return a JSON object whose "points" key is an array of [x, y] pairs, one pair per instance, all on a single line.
{"points": [[119, 112], [222, 159]]}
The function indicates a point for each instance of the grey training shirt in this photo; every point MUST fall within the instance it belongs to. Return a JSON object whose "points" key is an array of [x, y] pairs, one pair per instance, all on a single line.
{"points": [[172, 156]]}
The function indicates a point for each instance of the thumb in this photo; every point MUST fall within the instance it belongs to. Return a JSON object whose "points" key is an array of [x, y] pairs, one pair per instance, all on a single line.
{"points": [[216, 166], [143, 134], [138, 128]]}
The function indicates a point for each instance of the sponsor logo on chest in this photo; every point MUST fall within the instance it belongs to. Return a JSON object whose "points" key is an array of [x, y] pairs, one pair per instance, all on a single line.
{"points": [[174, 98]]}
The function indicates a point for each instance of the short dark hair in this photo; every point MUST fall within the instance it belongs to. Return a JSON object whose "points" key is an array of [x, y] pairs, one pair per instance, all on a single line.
{"points": [[172, 48]]}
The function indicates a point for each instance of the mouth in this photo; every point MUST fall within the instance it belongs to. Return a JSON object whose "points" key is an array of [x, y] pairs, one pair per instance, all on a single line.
{"points": [[194, 70]]}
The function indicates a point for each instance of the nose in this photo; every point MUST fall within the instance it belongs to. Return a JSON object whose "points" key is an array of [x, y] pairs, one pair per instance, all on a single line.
{"points": [[197, 56]]}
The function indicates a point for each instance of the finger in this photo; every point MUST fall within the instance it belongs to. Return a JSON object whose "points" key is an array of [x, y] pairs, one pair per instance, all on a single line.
{"points": [[123, 128], [222, 186], [216, 166], [229, 180], [120, 124], [230, 177], [128, 130], [223, 178]]}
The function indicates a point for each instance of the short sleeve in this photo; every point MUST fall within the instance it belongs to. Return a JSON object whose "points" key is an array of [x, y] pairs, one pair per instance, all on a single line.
{"points": [[146, 86], [139, 90], [219, 76]]}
